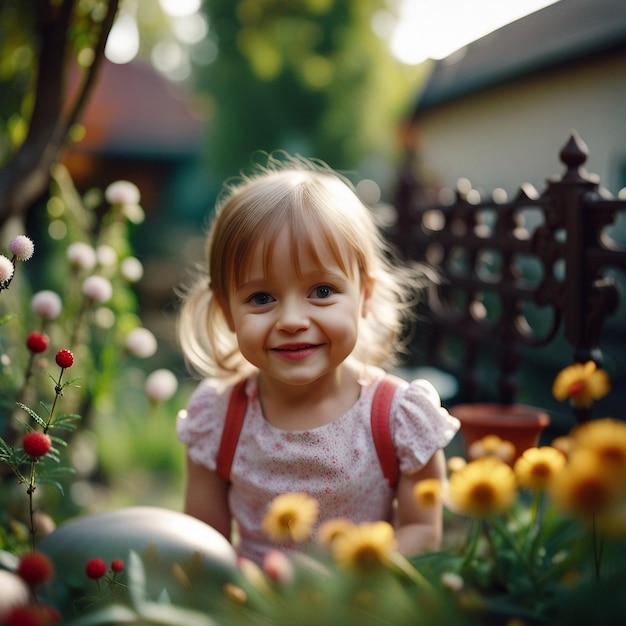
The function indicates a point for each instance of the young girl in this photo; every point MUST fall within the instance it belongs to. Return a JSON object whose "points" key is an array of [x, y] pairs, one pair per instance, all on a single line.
{"points": [[302, 303]]}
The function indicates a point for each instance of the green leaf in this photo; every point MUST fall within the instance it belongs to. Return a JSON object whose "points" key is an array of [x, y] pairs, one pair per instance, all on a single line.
{"points": [[137, 580], [32, 413], [44, 480], [114, 614]]}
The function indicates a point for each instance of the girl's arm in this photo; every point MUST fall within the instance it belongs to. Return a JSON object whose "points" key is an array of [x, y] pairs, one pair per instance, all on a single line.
{"points": [[206, 497], [419, 529]]}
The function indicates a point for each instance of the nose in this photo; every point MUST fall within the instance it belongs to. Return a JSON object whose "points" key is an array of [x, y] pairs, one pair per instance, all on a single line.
{"points": [[292, 317]]}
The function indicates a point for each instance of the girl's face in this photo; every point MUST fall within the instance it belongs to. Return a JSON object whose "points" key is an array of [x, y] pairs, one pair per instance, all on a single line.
{"points": [[296, 326]]}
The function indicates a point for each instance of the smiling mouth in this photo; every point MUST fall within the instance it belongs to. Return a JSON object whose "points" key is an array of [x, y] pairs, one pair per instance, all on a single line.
{"points": [[296, 351]]}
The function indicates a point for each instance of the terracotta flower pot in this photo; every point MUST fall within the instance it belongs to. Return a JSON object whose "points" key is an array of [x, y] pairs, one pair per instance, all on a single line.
{"points": [[520, 424]]}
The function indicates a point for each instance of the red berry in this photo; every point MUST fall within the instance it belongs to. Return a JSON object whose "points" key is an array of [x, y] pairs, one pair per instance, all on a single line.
{"points": [[64, 358], [35, 568], [96, 568], [36, 444], [37, 342], [25, 616], [117, 565]]}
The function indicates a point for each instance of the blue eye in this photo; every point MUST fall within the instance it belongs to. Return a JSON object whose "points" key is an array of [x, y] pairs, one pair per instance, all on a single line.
{"points": [[261, 299], [323, 291]]}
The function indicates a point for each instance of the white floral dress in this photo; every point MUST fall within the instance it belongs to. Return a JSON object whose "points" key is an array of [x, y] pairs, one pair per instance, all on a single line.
{"points": [[336, 463]]}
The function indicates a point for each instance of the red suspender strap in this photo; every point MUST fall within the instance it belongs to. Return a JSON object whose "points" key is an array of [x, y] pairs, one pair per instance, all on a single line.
{"points": [[381, 429], [232, 428]]}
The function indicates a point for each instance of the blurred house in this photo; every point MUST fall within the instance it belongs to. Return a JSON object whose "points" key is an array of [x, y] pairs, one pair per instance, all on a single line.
{"points": [[499, 110], [140, 127]]}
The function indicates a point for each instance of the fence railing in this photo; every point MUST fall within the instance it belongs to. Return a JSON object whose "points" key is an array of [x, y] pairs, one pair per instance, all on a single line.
{"points": [[515, 273]]}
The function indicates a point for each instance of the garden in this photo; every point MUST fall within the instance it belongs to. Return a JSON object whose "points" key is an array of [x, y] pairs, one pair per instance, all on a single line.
{"points": [[90, 530]]}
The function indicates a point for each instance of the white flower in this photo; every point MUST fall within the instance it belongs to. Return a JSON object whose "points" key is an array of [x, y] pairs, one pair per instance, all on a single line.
{"points": [[81, 255], [106, 255], [141, 342], [22, 247], [6, 269], [161, 385], [131, 269], [46, 304], [452, 581], [133, 213], [97, 288], [15, 592], [122, 192]]}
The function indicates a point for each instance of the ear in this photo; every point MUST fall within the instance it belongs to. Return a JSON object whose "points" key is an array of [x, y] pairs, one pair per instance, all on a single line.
{"points": [[225, 309], [367, 289]]}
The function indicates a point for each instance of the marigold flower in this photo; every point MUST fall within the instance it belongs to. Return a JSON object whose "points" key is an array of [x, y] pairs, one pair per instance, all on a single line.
{"points": [[141, 342], [427, 492], [585, 486], [582, 383], [606, 438], [47, 304], [365, 547], [482, 487], [537, 466], [21, 247], [291, 517], [64, 358], [35, 568], [6, 269], [95, 568], [36, 444], [81, 255], [492, 445], [37, 342], [333, 528], [161, 385], [97, 288]]}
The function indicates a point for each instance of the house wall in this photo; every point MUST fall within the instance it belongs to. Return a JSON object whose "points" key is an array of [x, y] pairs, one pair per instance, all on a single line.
{"points": [[512, 134]]}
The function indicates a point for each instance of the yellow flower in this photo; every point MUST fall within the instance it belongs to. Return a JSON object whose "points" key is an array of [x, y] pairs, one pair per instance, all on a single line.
{"points": [[427, 492], [606, 438], [581, 383], [492, 445], [365, 547], [455, 463], [333, 528], [585, 486], [537, 466], [291, 517], [482, 487]]}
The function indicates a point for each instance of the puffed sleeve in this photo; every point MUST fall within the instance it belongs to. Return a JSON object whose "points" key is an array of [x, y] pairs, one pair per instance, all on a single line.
{"points": [[419, 424], [199, 426]]}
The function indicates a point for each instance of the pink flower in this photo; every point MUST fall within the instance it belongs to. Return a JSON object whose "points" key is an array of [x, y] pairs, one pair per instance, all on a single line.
{"points": [[122, 192], [22, 247], [141, 342], [97, 288], [161, 385], [81, 255], [95, 568], [6, 269], [36, 444], [37, 342], [46, 304], [64, 358], [278, 567]]}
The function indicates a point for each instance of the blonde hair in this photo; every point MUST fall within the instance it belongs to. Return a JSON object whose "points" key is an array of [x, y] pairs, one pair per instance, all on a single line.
{"points": [[320, 208]]}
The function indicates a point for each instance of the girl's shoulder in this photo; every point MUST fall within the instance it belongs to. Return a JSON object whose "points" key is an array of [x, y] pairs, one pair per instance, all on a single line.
{"points": [[205, 409]]}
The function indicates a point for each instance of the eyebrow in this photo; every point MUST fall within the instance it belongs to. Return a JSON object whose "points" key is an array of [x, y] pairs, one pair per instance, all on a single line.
{"points": [[320, 275]]}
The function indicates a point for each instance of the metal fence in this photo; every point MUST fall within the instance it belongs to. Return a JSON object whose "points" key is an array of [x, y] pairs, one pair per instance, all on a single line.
{"points": [[514, 274]]}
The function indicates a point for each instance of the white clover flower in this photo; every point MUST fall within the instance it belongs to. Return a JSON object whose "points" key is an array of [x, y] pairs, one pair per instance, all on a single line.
{"points": [[452, 581], [161, 385], [131, 269], [22, 247], [133, 213], [97, 288], [47, 304], [82, 256], [106, 255], [122, 192], [6, 269], [141, 342]]}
